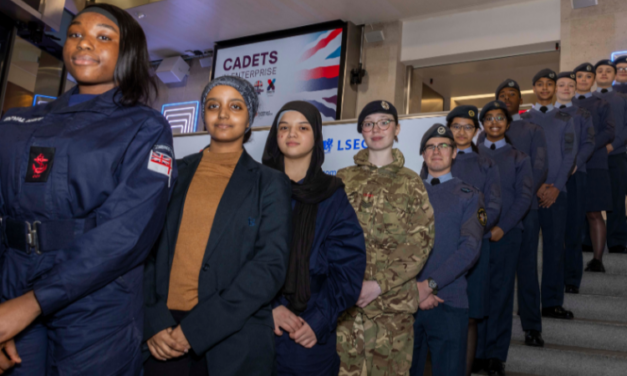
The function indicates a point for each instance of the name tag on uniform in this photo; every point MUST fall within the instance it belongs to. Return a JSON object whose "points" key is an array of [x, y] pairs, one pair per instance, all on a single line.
{"points": [[40, 161]]}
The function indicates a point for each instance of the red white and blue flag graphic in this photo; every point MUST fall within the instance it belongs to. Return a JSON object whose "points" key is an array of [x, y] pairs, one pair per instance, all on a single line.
{"points": [[320, 71]]}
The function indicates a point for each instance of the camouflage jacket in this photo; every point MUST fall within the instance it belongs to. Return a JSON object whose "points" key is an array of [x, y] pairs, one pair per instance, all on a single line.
{"points": [[393, 208]]}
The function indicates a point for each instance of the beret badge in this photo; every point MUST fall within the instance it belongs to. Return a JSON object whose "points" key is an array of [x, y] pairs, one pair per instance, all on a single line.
{"points": [[385, 105], [441, 130]]}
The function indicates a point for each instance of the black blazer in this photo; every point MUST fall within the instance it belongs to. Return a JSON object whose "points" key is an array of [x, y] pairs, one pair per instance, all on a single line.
{"points": [[243, 269]]}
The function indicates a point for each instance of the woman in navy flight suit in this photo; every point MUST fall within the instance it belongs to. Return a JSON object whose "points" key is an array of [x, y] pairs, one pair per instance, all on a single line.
{"points": [[85, 185], [328, 252]]}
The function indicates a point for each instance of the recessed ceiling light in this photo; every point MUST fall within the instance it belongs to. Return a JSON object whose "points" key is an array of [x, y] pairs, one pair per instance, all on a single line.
{"points": [[140, 15]]}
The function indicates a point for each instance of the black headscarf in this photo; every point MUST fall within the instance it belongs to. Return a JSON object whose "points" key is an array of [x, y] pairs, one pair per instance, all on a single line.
{"points": [[316, 187]]}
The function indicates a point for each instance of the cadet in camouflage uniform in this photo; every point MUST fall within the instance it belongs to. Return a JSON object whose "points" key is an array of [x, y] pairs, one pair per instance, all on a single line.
{"points": [[376, 337]]}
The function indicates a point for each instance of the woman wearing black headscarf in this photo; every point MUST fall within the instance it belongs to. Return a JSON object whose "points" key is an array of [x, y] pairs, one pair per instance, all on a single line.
{"points": [[327, 259]]}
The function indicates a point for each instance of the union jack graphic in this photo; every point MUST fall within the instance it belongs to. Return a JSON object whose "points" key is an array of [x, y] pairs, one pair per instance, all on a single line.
{"points": [[160, 163], [259, 87]]}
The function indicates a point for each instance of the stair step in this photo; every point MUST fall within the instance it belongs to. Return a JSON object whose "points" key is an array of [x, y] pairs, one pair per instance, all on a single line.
{"points": [[555, 360], [604, 284], [594, 307], [585, 333], [614, 263]]}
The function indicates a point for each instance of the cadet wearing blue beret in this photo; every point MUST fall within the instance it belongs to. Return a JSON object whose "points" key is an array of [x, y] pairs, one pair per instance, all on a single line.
{"points": [[442, 321], [577, 183], [599, 187], [617, 165], [620, 82], [506, 237]]}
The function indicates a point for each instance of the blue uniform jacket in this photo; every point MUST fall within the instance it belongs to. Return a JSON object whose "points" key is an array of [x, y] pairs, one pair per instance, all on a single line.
{"points": [[336, 266], [458, 233], [584, 132], [96, 161], [482, 173], [531, 140], [604, 128]]}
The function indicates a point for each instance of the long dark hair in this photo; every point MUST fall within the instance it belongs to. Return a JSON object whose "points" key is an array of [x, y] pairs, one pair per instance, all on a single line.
{"points": [[132, 71], [475, 121]]}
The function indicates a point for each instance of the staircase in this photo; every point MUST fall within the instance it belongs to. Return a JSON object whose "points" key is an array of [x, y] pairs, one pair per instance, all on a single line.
{"points": [[594, 343]]}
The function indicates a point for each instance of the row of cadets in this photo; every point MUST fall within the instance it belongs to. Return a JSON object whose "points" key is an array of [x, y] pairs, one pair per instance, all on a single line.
{"points": [[598, 191], [529, 139], [559, 131], [620, 82], [617, 165], [460, 219], [577, 183], [506, 237], [482, 173]]}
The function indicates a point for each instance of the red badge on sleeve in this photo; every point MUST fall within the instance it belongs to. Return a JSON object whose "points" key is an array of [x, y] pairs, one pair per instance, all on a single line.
{"points": [[39, 164]]}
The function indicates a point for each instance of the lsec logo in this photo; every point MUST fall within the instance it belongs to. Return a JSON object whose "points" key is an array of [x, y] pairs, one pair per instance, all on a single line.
{"points": [[350, 144]]}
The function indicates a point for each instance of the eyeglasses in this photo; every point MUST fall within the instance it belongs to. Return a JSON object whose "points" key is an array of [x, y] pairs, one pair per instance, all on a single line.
{"points": [[441, 147], [466, 127], [490, 119], [382, 124], [623, 69]]}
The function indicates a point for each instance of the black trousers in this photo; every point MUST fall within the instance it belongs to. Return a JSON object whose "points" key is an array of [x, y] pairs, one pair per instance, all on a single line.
{"points": [[189, 364]]}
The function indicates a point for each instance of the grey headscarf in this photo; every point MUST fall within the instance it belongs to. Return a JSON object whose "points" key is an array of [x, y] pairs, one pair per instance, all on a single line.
{"points": [[244, 87]]}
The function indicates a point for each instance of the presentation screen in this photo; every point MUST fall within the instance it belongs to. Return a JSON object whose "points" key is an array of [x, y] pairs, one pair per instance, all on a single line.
{"points": [[298, 64]]}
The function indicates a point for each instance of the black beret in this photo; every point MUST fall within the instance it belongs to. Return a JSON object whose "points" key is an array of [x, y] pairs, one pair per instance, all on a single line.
{"points": [[495, 105], [436, 130], [585, 67], [376, 107], [607, 62], [570, 75], [544, 73], [507, 83], [466, 112], [621, 59]]}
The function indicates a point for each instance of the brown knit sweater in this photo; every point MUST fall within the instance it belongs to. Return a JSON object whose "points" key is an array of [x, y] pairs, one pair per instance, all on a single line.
{"points": [[201, 204]]}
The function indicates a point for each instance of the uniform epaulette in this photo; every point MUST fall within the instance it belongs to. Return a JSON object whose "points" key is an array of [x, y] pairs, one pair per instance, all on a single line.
{"points": [[525, 115]]}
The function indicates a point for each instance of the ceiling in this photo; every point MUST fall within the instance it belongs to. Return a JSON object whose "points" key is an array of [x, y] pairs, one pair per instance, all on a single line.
{"points": [[174, 26]]}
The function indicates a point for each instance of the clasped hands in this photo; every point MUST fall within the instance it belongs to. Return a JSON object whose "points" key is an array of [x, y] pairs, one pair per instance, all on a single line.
{"points": [[547, 195], [298, 329], [426, 298], [168, 344]]}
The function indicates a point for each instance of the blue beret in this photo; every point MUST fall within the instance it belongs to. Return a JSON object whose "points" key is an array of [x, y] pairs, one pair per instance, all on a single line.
{"points": [[621, 59], [436, 130], [495, 105], [545, 73], [376, 107], [585, 67], [507, 83], [570, 75], [466, 112], [607, 62]]}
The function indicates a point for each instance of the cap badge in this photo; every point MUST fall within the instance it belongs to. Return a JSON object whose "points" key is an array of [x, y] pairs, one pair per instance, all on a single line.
{"points": [[551, 75], [385, 105], [511, 84], [589, 68], [496, 104], [441, 130], [471, 113], [572, 75]]}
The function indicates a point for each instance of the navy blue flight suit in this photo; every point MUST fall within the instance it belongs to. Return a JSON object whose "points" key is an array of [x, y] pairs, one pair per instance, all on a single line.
{"points": [[93, 180]]}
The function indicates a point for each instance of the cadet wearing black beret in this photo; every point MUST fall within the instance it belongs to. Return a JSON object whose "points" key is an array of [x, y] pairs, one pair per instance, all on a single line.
{"points": [[495, 105], [376, 107], [570, 75]]}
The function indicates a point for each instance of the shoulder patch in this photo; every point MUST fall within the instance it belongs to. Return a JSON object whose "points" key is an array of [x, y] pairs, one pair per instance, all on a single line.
{"points": [[482, 216]]}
